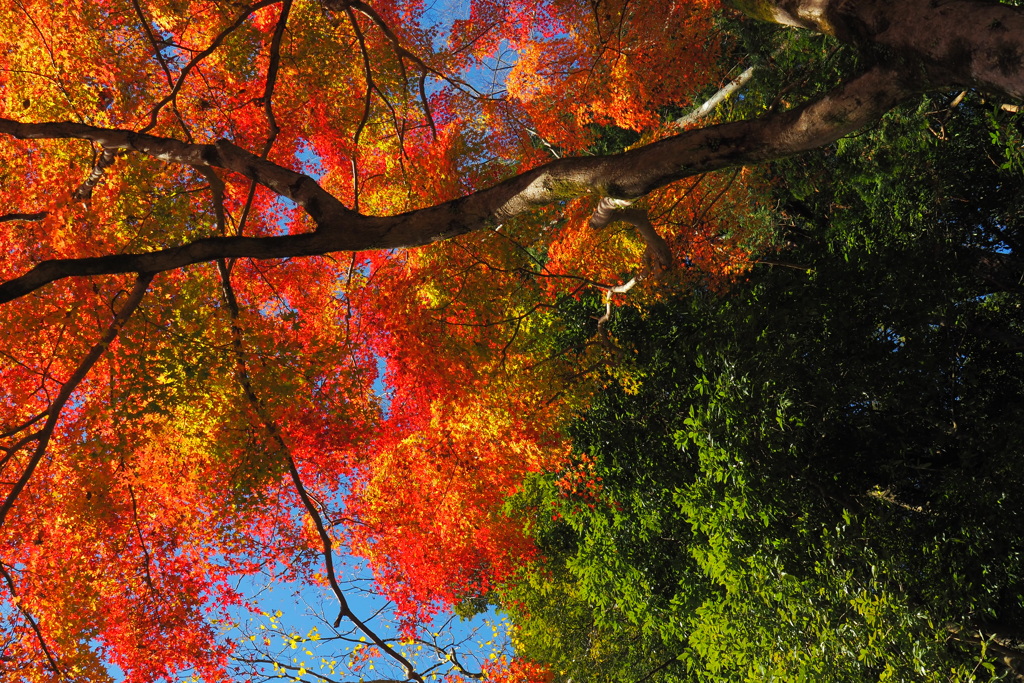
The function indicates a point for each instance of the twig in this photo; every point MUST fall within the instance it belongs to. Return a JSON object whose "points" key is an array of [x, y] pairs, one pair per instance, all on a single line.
{"points": [[32, 622]]}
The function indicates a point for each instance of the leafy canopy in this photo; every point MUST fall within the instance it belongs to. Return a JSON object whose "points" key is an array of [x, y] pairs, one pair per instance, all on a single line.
{"points": [[221, 366]]}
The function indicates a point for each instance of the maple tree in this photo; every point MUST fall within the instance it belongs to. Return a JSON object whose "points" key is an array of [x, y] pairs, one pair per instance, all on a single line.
{"points": [[209, 210]]}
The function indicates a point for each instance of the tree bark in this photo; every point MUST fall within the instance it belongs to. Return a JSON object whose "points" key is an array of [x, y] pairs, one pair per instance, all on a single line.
{"points": [[969, 43]]}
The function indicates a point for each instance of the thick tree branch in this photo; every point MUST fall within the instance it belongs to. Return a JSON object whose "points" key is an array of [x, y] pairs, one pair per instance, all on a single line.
{"points": [[37, 216], [629, 175]]}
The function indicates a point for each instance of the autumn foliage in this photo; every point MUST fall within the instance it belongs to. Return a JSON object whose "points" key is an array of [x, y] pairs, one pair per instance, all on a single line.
{"points": [[165, 435]]}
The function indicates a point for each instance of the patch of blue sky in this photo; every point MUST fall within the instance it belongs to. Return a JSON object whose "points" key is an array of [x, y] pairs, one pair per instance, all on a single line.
{"points": [[383, 392], [487, 77], [292, 634]]}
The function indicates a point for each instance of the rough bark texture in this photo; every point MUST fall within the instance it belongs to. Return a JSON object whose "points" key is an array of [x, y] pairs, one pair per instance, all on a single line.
{"points": [[952, 42], [937, 44]]}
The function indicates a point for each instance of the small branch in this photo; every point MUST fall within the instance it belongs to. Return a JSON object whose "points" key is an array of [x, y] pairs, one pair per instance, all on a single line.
{"points": [[426, 104], [157, 49], [617, 289], [781, 264], [142, 540], [451, 657], [68, 388], [554, 152], [24, 425], [285, 667], [367, 101], [1009, 657], [272, 69], [402, 53], [344, 610], [32, 622], [273, 130], [656, 669], [602, 322], [84, 191], [722, 95]]}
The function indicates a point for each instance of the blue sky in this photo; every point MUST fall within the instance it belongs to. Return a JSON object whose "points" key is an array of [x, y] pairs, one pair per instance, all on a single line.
{"points": [[298, 624]]}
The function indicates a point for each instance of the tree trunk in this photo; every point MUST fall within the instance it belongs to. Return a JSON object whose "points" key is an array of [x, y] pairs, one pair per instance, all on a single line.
{"points": [[950, 42]]}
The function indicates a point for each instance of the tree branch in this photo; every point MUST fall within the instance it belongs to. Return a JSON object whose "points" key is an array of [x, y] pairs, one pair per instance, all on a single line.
{"points": [[31, 620], [327, 545], [956, 42], [37, 216], [84, 191], [721, 96], [657, 255], [273, 130], [623, 176]]}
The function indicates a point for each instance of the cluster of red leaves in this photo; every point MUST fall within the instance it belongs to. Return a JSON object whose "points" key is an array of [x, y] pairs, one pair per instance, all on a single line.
{"points": [[605, 56], [160, 486], [505, 670], [579, 481], [467, 421]]}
